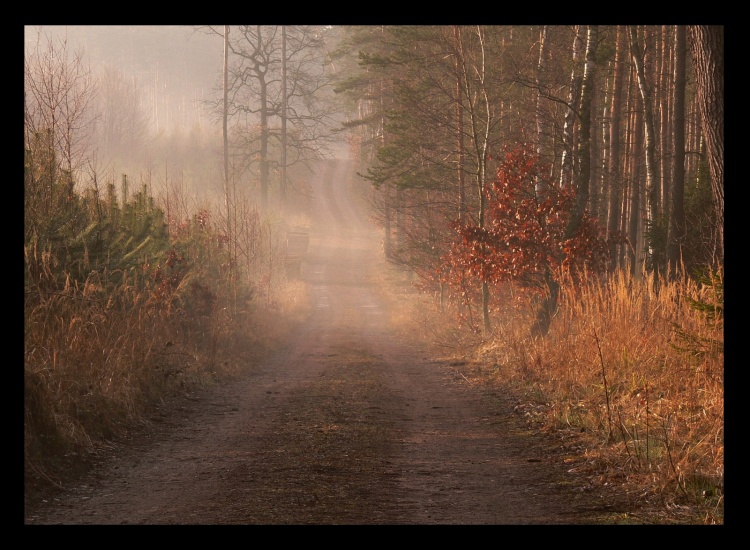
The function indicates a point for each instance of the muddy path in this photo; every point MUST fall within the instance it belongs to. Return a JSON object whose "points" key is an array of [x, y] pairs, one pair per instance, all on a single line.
{"points": [[350, 423]]}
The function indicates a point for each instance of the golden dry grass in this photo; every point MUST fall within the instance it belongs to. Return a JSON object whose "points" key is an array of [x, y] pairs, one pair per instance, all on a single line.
{"points": [[99, 355], [639, 374]]}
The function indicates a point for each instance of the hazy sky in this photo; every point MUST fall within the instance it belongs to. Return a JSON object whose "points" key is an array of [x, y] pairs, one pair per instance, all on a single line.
{"points": [[174, 62]]}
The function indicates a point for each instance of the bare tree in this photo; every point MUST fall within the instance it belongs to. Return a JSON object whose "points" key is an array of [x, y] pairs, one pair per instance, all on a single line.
{"points": [[277, 99], [481, 119], [58, 118], [58, 93], [122, 128]]}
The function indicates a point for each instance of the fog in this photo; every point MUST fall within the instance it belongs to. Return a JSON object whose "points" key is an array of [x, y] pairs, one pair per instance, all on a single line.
{"points": [[175, 66], [158, 107]]}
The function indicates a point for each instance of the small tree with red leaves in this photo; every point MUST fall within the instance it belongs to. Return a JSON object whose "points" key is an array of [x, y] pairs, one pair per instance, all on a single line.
{"points": [[523, 238]]}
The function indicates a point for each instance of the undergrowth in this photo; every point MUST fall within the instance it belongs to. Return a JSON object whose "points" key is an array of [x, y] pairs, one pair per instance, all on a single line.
{"points": [[105, 342], [633, 367]]}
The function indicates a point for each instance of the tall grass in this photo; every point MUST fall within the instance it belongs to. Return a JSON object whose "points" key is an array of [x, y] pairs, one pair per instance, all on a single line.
{"points": [[100, 352], [631, 366]]}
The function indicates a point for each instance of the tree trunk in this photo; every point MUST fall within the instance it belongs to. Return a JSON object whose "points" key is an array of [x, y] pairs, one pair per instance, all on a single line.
{"points": [[482, 174], [708, 63], [566, 171], [614, 167], [602, 179], [627, 178], [693, 138], [387, 244], [677, 218], [652, 175], [460, 126], [666, 100], [479, 127], [549, 304], [282, 181], [635, 188], [540, 186], [584, 142], [263, 144], [225, 133]]}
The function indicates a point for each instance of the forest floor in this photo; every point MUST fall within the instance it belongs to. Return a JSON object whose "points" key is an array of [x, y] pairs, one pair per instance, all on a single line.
{"points": [[351, 422]]}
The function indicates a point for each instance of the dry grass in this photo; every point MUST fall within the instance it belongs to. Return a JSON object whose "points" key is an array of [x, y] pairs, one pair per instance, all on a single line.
{"points": [[99, 355], [637, 375]]}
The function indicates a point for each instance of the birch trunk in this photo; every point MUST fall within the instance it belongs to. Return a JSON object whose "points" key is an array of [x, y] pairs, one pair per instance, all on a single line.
{"points": [[652, 173], [566, 170]]}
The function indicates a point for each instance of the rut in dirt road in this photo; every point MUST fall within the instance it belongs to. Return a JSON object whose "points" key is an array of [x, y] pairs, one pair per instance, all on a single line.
{"points": [[349, 424]]}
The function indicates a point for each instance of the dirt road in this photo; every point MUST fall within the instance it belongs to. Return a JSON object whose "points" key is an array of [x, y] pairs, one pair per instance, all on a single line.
{"points": [[349, 424]]}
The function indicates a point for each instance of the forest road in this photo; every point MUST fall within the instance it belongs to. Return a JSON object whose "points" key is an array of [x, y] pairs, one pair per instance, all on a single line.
{"points": [[348, 424]]}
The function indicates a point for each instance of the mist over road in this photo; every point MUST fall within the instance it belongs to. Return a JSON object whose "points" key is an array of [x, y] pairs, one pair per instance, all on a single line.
{"points": [[350, 423]]}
